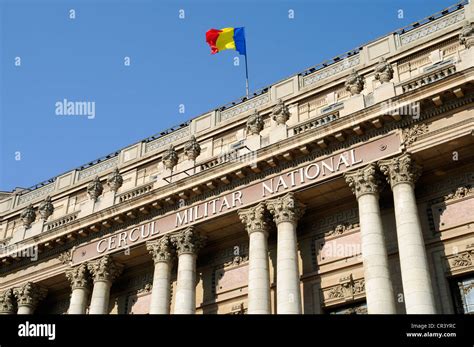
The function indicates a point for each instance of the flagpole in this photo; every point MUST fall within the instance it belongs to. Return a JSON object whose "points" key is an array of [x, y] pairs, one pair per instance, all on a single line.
{"points": [[246, 75]]}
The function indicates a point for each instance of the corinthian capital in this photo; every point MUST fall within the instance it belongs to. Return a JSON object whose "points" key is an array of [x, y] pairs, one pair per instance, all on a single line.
{"points": [[104, 269], [364, 181], [286, 208], [78, 276], [255, 218], [160, 249], [29, 294], [7, 301], [188, 241], [402, 169]]}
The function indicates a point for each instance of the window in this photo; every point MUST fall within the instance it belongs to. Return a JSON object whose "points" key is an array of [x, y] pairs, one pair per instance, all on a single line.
{"points": [[463, 289]]}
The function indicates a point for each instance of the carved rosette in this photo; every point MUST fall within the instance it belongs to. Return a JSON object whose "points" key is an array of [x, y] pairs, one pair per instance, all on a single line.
{"points": [[28, 216], [95, 189], [410, 135], [104, 269], [466, 37], [29, 294], [78, 276], [383, 71], [364, 181], [285, 209], [65, 257], [170, 158], [161, 249], [354, 83], [402, 169], [192, 149], [115, 180], [7, 302], [280, 113], [188, 241], [255, 219], [46, 208], [254, 123]]}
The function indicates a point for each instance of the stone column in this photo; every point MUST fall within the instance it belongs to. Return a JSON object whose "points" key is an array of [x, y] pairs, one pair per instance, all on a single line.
{"points": [[378, 284], [256, 224], [104, 271], [28, 297], [79, 278], [161, 250], [7, 302], [402, 173], [286, 211], [187, 243]]}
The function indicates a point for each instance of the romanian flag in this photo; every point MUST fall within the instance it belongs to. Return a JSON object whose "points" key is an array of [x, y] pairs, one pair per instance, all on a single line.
{"points": [[227, 38]]}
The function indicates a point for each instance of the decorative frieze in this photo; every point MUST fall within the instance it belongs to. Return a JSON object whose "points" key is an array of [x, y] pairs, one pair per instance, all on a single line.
{"points": [[35, 194], [115, 180], [329, 71], [286, 208], [28, 216], [402, 169], [463, 259], [95, 189], [78, 276], [251, 104], [348, 289], [431, 28], [97, 168], [46, 208], [341, 229], [459, 193], [167, 139]]}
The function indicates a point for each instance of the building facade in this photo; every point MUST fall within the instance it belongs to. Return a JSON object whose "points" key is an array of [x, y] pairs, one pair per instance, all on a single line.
{"points": [[347, 188]]}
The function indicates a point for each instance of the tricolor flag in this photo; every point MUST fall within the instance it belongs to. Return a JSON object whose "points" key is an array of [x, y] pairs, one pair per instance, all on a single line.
{"points": [[227, 38]]}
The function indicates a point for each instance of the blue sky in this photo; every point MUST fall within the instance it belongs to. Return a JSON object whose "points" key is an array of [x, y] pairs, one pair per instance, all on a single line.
{"points": [[82, 59]]}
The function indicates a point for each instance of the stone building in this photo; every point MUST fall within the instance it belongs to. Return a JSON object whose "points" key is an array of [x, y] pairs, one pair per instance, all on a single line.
{"points": [[347, 188]]}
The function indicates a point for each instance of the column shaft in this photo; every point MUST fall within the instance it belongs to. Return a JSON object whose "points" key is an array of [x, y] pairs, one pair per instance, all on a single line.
{"points": [[288, 278], [160, 295], [378, 284], [186, 285], [414, 267], [100, 297], [259, 275], [78, 304]]}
